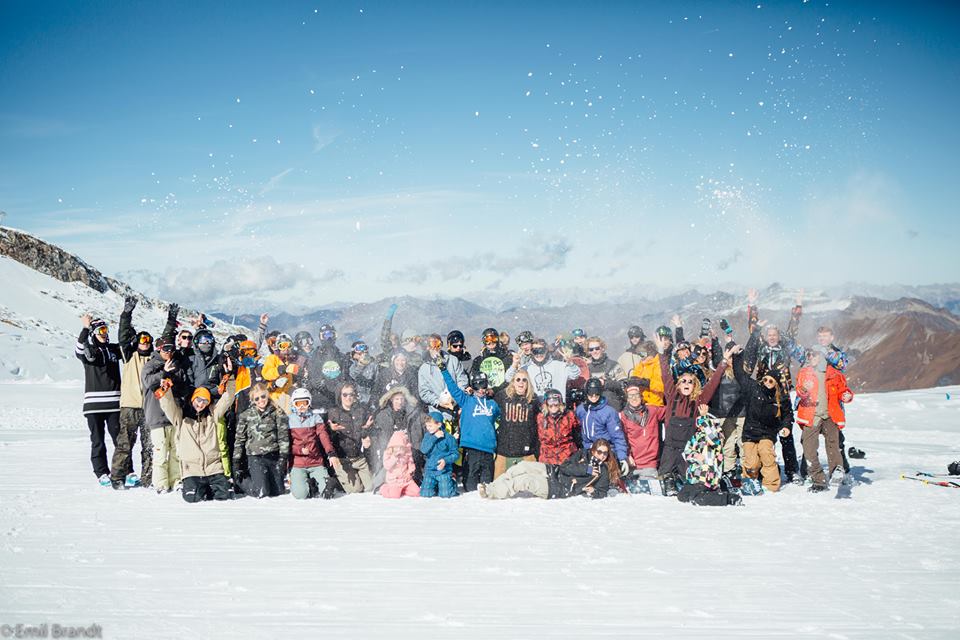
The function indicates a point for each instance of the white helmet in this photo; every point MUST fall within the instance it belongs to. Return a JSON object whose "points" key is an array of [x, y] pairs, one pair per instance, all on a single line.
{"points": [[300, 394]]}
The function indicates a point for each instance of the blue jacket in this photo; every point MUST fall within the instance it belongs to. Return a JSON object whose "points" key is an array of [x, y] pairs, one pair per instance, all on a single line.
{"points": [[477, 418], [602, 421], [435, 449]]}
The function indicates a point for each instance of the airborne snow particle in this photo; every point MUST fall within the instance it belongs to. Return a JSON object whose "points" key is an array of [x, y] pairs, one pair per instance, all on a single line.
{"points": [[358, 225], [530, 74], [476, 113], [730, 55], [238, 100]]}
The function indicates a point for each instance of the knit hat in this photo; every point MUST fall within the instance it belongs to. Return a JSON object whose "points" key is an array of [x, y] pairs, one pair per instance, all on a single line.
{"points": [[436, 416], [200, 392], [408, 334]]}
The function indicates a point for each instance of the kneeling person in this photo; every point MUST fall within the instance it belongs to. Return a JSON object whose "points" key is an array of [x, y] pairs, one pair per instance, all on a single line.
{"points": [[441, 452], [310, 441]]}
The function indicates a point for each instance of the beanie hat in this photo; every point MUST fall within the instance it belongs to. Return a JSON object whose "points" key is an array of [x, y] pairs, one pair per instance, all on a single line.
{"points": [[436, 416], [200, 392]]}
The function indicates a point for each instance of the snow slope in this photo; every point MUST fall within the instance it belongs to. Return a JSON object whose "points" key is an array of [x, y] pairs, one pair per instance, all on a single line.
{"points": [[40, 321], [793, 565]]}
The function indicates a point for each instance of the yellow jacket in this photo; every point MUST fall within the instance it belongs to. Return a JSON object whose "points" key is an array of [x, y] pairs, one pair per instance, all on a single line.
{"points": [[649, 368]]}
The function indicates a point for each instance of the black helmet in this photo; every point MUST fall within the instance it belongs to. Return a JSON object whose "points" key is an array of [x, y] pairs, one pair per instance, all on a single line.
{"points": [[490, 332], [302, 336], [635, 332], [205, 341], [523, 337], [455, 337], [552, 394], [664, 332], [327, 332], [593, 386], [478, 380]]}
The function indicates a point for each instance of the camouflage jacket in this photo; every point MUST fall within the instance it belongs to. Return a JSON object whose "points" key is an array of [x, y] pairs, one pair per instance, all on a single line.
{"points": [[262, 433]]}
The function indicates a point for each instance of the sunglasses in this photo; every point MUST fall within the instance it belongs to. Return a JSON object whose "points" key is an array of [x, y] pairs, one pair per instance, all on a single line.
{"points": [[592, 349], [603, 452], [455, 345], [186, 337], [768, 380], [523, 380], [167, 348], [260, 398], [685, 381], [145, 339], [538, 351], [348, 395]]}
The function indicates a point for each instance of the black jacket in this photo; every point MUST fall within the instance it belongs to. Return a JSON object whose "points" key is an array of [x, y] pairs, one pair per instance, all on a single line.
{"points": [[517, 433], [347, 442], [101, 373], [763, 418], [574, 475]]}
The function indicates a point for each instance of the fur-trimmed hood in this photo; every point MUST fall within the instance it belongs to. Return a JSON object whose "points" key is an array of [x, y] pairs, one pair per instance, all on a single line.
{"points": [[385, 398]]}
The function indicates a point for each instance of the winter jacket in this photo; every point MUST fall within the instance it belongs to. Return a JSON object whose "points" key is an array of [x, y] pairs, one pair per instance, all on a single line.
{"points": [[347, 442], [612, 374], [409, 419], [684, 407], [650, 369], [559, 436], [629, 361], [704, 454], [131, 386], [262, 433], [283, 374], [389, 378], [726, 402], [763, 418], [198, 445], [517, 431], [364, 375], [398, 460], [309, 440], [477, 417], [101, 373], [435, 449], [205, 371], [430, 385], [808, 391], [153, 374], [495, 364], [550, 374], [598, 421], [774, 361], [326, 369], [575, 475], [642, 429]]}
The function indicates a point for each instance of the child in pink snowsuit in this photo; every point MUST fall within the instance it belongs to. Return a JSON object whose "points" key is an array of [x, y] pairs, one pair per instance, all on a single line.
{"points": [[399, 465]]}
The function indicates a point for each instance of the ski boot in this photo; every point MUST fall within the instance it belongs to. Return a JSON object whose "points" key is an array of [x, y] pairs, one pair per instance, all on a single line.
{"points": [[132, 480], [670, 485]]}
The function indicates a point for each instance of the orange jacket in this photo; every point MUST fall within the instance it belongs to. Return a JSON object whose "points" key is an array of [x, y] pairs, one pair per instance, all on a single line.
{"points": [[807, 396], [649, 368]]}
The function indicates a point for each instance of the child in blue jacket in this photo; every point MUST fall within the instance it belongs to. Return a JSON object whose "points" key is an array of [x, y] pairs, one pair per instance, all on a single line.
{"points": [[440, 450], [478, 433]]}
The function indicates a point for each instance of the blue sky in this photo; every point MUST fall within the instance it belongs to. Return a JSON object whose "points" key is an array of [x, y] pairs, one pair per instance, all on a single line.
{"points": [[349, 151]]}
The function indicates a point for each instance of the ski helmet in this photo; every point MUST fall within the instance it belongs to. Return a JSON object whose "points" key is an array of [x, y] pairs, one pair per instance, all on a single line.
{"points": [[455, 337], [478, 380], [665, 332], [523, 337], [359, 346], [300, 394], [327, 332], [284, 341], [593, 387], [303, 337], [99, 327], [145, 340], [205, 341], [635, 332], [578, 333], [552, 395], [491, 336]]}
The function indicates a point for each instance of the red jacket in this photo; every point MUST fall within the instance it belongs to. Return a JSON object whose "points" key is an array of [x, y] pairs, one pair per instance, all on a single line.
{"points": [[643, 441], [556, 434], [310, 440], [807, 391]]}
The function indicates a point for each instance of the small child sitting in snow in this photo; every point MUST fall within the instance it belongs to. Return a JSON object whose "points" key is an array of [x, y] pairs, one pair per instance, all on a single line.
{"points": [[441, 451], [399, 467]]}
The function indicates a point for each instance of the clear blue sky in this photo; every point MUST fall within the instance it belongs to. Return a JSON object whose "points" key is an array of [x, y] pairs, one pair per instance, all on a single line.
{"points": [[351, 150]]}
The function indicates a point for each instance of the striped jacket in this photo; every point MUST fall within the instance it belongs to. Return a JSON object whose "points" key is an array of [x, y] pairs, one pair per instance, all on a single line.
{"points": [[101, 369]]}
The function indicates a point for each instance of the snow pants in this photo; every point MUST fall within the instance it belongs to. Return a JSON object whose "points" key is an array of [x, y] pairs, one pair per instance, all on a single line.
{"points": [[678, 432], [409, 490], [760, 457], [131, 422], [438, 483], [524, 477], [266, 478], [810, 438], [100, 424], [478, 468], [354, 475], [502, 463], [788, 449], [201, 488], [732, 434], [166, 462], [300, 478]]}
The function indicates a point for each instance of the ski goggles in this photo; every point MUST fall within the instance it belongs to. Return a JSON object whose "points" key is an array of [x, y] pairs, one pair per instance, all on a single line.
{"points": [[539, 351], [435, 343], [145, 340], [205, 339], [328, 335], [102, 330], [491, 339], [167, 348], [361, 348], [248, 353], [286, 344]]}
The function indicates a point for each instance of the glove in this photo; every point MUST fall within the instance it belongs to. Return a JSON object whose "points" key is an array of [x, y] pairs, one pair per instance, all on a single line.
{"points": [[293, 369], [391, 311], [172, 311], [624, 468], [129, 304], [441, 363]]}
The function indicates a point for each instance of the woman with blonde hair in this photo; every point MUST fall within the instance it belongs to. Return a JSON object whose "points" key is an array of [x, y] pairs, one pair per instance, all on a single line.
{"points": [[517, 437], [263, 434]]}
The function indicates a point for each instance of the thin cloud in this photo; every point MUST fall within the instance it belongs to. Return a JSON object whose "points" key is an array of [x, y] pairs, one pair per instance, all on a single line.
{"points": [[274, 181], [548, 257], [322, 138]]}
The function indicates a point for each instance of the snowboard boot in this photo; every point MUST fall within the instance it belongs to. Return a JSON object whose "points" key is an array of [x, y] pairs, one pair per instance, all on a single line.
{"points": [[856, 454], [132, 480], [104, 480], [837, 477]]}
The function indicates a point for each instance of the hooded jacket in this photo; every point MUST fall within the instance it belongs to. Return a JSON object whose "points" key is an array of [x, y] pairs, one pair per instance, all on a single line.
{"points": [[431, 386], [436, 449], [398, 460], [598, 421], [549, 374], [650, 369], [808, 391], [495, 364], [477, 418], [101, 373], [642, 429], [409, 419], [575, 475], [517, 431], [198, 445], [558, 436], [153, 374], [309, 440]]}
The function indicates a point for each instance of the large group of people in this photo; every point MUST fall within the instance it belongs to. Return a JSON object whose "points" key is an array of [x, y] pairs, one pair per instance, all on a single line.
{"points": [[698, 418]]}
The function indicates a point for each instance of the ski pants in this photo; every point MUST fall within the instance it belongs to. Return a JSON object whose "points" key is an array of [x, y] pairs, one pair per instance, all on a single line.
{"points": [[759, 457], [100, 424], [678, 432], [266, 477], [502, 463], [166, 462], [811, 443], [843, 457], [409, 490], [300, 478], [438, 483], [789, 450], [354, 475], [131, 422], [523, 477], [479, 468], [732, 434], [201, 488]]}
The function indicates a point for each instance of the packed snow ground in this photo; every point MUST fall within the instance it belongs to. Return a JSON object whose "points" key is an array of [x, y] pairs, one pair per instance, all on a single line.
{"points": [[881, 565]]}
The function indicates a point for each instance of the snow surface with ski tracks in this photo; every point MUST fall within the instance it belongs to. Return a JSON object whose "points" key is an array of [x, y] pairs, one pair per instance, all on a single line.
{"points": [[883, 564]]}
